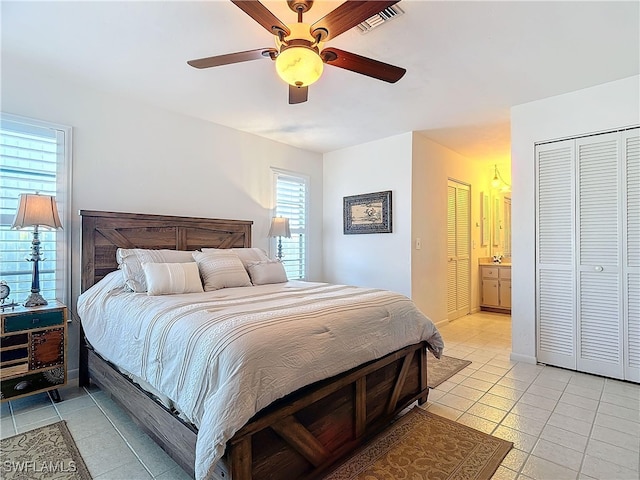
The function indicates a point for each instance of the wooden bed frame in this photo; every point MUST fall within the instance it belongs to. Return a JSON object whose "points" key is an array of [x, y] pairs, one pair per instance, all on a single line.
{"points": [[299, 436]]}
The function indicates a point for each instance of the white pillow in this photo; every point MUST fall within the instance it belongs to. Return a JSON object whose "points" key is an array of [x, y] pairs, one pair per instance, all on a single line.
{"points": [[221, 268], [172, 278], [270, 271], [130, 261], [246, 255]]}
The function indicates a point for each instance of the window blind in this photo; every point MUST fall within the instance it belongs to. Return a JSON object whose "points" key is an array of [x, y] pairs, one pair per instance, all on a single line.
{"points": [[32, 158], [291, 202]]}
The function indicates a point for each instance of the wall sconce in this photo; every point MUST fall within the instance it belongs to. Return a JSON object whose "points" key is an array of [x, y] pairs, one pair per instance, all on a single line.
{"points": [[35, 211], [280, 228], [498, 181]]}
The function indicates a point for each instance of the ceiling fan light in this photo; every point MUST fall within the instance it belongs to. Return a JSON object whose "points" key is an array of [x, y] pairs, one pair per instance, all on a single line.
{"points": [[299, 66]]}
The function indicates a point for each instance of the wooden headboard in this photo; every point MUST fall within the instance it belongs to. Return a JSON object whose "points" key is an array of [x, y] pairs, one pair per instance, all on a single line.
{"points": [[104, 232]]}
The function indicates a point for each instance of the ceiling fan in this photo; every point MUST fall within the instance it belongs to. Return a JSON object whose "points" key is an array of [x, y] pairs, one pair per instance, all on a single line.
{"points": [[299, 52]]}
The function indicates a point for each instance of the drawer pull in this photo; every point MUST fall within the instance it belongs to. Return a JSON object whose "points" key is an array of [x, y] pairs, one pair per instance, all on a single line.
{"points": [[35, 320], [22, 385]]}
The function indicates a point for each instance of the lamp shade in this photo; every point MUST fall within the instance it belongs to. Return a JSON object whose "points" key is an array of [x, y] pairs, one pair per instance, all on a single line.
{"points": [[280, 227], [35, 209]]}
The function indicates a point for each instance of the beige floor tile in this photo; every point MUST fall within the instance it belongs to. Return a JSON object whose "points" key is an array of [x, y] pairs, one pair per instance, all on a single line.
{"points": [[577, 413], [151, 455], [579, 401], [564, 438], [629, 440], [35, 416], [503, 473], [584, 391], [624, 389], [538, 401], [7, 428], [544, 392], [542, 469], [616, 423], [175, 474], [558, 454], [467, 392], [621, 401], [130, 471], [612, 453], [487, 412], [506, 392], [530, 411], [523, 424], [444, 411], [604, 470], [32, 402], [478, 423], [497, 401], [515, 459], [38, 424], [570, 424], [521, 441], [476, 383]]}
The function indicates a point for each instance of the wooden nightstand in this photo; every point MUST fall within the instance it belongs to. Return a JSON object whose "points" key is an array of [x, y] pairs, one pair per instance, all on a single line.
{"points": [[33, 351]]}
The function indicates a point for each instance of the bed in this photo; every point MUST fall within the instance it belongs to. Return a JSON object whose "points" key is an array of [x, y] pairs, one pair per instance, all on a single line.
{"points": [[299, 435]]}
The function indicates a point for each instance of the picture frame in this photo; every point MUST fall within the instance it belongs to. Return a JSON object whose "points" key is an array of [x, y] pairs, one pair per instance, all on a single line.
{"points": [[368, 213]]}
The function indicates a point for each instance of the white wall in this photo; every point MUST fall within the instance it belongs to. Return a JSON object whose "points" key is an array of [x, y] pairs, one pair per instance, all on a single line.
{"points": [[604, 107], [433, 166], [132, 157], [371, 260]]}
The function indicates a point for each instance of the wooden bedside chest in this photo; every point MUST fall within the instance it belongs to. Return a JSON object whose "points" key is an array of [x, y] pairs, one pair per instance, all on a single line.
{"points": [[33, 351]]}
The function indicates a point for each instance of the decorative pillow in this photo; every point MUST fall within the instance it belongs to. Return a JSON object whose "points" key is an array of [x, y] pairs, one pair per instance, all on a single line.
{"points": [[221, 268], [270, 271], [246, 255], [130, 261], [172, 278]]}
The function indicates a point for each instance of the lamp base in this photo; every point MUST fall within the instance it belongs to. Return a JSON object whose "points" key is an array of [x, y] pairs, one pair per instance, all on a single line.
{"points": [[35, 300]]}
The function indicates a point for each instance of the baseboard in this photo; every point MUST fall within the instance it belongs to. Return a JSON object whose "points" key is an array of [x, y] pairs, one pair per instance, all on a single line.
{"points": [[516, 357]]}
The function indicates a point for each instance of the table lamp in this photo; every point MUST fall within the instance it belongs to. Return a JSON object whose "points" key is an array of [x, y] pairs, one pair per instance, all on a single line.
{"points": [[35, 210]]}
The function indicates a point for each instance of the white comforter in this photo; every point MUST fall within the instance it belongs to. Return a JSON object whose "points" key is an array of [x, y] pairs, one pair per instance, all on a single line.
{"points": [[222, 356]]}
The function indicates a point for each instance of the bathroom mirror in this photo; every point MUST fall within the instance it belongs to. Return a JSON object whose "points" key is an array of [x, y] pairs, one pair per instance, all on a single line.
{"points": [[501, 224]]}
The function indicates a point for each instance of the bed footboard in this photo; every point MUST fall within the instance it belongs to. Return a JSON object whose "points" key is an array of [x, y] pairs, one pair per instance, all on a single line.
{"points": [[299, 436]]}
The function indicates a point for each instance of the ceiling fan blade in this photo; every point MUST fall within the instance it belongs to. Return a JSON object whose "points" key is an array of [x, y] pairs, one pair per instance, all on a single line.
{"points": [[363, 65], [298, 94], [238, 57], [347, 16], [262, 15]]}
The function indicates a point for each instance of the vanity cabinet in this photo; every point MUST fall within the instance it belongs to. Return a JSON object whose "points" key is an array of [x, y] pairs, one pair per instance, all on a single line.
{"points": [[496, 288]]}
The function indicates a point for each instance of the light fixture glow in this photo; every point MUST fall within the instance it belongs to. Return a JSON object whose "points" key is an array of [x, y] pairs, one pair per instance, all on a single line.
{"points": [[299, 66]]}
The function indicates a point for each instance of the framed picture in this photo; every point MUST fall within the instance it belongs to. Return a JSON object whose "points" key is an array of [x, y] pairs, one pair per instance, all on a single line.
{"points": [[367, 213]]}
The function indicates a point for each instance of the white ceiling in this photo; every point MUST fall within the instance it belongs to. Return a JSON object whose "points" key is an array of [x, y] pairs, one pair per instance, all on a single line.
{"points": [[467, 64]]}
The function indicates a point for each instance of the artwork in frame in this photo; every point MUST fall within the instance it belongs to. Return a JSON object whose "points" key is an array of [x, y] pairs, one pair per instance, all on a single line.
{"points": [[367, 213]]}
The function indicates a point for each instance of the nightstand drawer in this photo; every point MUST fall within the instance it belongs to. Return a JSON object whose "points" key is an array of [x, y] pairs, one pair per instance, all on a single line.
{"points": [[26, 384], [29, 321]]}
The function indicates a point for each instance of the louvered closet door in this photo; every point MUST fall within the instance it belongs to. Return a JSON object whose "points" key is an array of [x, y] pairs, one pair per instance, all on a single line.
{"points": [[599, 234], [631, 246], [555, 281], [458, 250]]}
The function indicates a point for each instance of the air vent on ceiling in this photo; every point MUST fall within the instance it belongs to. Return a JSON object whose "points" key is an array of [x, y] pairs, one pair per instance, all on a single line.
{"points": [[379, 18]]}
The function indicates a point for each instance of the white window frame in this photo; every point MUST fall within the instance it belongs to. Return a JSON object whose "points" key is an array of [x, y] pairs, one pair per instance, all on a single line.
{"points": [[297, 176], [63, 201]]}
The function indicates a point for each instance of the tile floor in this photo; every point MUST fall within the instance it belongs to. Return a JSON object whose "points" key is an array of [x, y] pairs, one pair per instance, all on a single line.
{"points": [[564, 425]]}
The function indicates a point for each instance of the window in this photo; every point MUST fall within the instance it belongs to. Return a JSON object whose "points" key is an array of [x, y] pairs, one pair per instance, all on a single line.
{"points": [[291, 202], [34, 157]]}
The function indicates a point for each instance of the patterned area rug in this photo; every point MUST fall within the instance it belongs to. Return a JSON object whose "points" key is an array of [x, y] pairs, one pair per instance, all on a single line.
{"points": [[422, 445], [439, 370], [47, 452]]}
